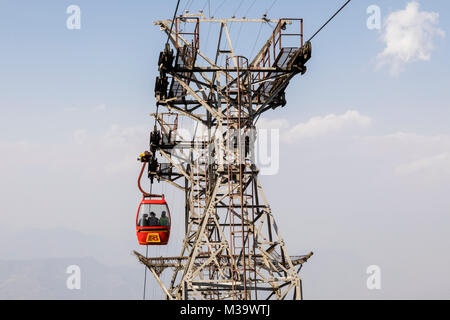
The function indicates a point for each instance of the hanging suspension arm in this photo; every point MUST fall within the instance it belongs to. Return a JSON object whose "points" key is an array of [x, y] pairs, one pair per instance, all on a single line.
{"points": [[145, 158]]}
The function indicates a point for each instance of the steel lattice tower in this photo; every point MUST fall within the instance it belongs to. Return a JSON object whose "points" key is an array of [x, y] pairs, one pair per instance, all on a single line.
{"points": [[232, 247]]}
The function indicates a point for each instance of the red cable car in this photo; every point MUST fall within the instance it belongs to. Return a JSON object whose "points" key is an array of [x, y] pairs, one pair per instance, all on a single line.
{"points": [[153, 221]]}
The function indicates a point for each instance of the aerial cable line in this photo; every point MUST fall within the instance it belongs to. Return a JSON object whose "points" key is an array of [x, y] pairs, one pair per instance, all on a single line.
{"points": [[145, 272], [240, 5], [204, 6], [151, 189], [187, 6], [337, 12], [173, 20], [249, 8], [234, 14], [257, 38], [217, 9], [146, 256], [273, 3], [239, 35], [190, 5]]}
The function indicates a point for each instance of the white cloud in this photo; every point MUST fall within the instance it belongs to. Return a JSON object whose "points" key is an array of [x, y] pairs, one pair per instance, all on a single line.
{"points": [[317, 126], [438, 164], [112, 151], [99, 108], [410, 154], [331, 123], [90, 165], [413, 144], [400, 154], [119, 146], [408, 35]]}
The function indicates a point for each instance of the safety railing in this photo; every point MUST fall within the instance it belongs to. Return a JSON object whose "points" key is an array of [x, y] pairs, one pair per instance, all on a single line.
{"points": [[274, 50], [192, 35]]}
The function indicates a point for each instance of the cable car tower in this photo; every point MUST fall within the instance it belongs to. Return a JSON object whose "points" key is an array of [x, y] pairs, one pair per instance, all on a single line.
{"points": [[232, 247]]}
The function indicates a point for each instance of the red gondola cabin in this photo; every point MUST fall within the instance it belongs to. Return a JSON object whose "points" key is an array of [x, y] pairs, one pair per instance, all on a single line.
{"points": [[153, 222]]}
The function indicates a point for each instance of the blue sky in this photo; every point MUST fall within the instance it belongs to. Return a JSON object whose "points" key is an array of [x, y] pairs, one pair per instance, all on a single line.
{"points": [[46, 67], [74, 108]]}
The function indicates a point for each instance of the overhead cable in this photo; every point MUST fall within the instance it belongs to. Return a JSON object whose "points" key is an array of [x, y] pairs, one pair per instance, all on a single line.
{"points": [[334, 15]]}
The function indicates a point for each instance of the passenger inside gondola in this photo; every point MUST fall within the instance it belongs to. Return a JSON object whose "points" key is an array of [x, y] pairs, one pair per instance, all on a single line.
{"points": [[153, 220], [153, 215], [164, 220], [143, 222]]}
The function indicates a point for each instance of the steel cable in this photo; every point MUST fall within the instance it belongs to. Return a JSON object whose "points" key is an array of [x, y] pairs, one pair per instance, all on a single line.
{"points": [[334, 15], [173, 21]]}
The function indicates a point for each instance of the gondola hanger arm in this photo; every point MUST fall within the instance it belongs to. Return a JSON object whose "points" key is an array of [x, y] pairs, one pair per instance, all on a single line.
{"points": [[146, 194]]}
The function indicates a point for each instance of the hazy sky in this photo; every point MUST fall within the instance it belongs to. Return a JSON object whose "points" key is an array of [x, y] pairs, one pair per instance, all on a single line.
{"points": [[365, 137]]}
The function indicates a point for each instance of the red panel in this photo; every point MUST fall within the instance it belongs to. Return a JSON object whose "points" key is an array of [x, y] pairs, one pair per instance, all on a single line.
{"points": [[153, 236]]}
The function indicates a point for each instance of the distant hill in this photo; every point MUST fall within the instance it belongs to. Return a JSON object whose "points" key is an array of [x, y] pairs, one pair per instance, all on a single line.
{"points": [[46, 279], [33, 264], [33, 244]]}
